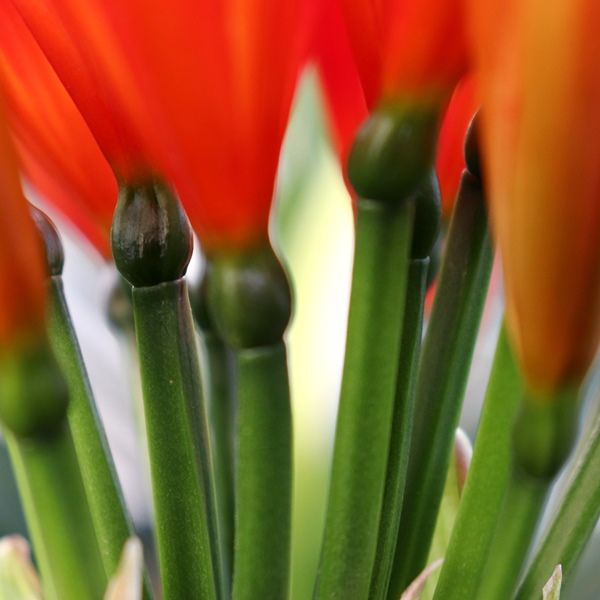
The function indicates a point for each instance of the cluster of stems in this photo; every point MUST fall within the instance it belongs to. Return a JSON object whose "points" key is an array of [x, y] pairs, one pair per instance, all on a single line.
{"points": [[218, 416]]}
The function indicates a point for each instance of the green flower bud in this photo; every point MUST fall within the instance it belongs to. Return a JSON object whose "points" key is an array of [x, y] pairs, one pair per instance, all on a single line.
{"points": [[393, 152], [249, 298]]}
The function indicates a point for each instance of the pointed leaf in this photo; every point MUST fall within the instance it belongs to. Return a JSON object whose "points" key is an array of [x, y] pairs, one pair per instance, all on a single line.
{"points": [[18, 579], [551, 590]]}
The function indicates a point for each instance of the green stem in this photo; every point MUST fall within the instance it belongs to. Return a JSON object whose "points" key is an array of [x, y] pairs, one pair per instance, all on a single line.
{"points": [[62, 522], [516, 525], [487, 480], [401, 428], [263, 475], [178, 442], [33, 524], [111, 522], [573, 524], [442, 378], [383, 242], [217, 376]]}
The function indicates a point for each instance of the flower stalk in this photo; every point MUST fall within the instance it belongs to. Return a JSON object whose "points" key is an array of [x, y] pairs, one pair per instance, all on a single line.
{"points": [[391, 158], [442, 378], [152, 245], [249, 300], [111, 521]]}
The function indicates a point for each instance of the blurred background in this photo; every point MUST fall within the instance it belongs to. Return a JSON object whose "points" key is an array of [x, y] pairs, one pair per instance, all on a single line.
{"points": [[312, 229]]}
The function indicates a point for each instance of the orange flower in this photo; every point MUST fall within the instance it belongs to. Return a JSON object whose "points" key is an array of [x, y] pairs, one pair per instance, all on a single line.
{"points": [[540, 88], [22, 270], [196, 92], [407, 49], [450, 160], [58, 153]]}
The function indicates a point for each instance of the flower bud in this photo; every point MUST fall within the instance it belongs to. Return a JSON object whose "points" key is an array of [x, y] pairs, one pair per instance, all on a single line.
{"points": [[152, 239], [393, 152], [55, 256], [249, 298]]}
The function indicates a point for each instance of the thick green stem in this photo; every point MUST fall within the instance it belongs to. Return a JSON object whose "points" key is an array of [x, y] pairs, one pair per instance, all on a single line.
{"points": [[573, 524], [443, 371], [486, 483], [218, 376], [516, 525], [178, 442], [401, 427], [111, 521], [263, 475], [383, 242], [62, 521]]}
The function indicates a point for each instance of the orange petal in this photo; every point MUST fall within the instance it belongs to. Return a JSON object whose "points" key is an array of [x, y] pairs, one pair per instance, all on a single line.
{"points": [[540, 90]]}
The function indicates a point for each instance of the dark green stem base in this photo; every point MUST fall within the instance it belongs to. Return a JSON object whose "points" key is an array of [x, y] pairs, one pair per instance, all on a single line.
{"points": [[401, 428], [61, 520], [177, 441], [486, 484], [573, 524], [263, 475], [442, 378], [111, 521], [383, 242]]}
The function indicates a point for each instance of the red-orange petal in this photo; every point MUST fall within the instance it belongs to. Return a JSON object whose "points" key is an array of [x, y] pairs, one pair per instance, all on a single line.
{"points": [[215, 79], [345, 101], [22, 271], [450, 160], [57, 151], [99, 80], [425, 51]]}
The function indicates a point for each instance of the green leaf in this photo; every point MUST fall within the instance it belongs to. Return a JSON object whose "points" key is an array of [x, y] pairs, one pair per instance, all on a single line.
{"points": [[18, 578], [551, 590]]}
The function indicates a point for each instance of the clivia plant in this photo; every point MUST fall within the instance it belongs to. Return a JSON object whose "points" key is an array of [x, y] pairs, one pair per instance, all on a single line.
{"points": [[154, 126]]}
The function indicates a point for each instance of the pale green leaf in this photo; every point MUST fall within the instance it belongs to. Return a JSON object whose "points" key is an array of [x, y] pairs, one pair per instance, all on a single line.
{"points": [[551, 590], [18, 578]]}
